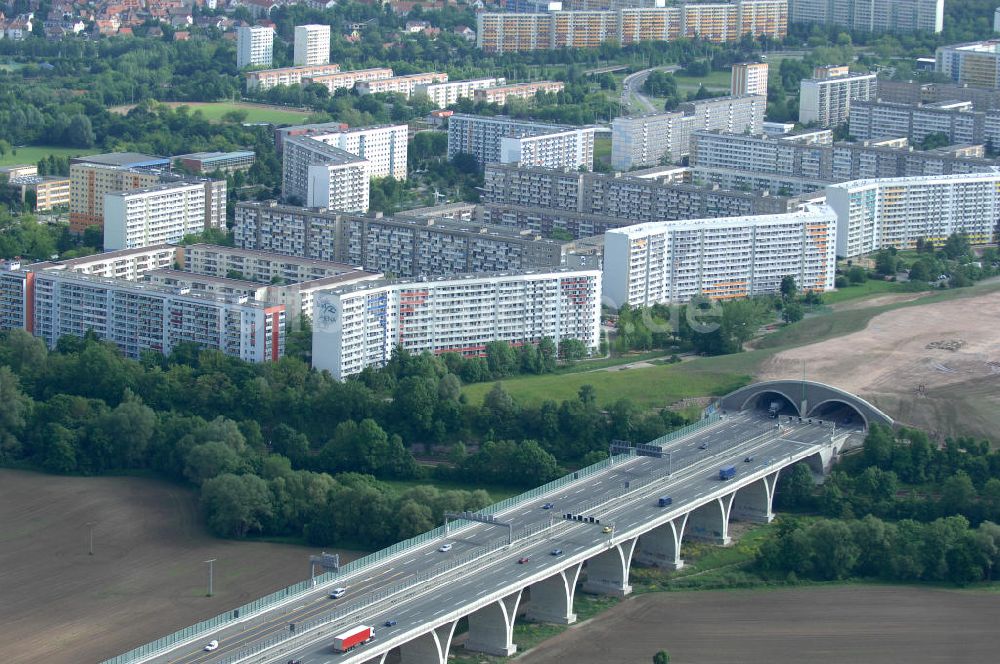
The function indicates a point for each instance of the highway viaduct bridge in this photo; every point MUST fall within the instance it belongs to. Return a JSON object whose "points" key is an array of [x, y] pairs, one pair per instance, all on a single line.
{"points": [[600, 523]]}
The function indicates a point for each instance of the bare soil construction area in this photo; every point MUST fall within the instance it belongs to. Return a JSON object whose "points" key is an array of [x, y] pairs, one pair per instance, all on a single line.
{"points": [[870, 624], [146, 578], [935, 366]]}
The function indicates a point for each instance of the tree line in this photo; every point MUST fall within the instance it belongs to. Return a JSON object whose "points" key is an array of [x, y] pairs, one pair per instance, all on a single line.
{"points": [[901, 509], [943, 550], [902, 474], [274, 448]]}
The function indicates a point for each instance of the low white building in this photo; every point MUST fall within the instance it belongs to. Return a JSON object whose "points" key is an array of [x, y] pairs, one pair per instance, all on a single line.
{"points": [[446, 94], [359, 326], [404, 85], [671, 262], [264, 79]]}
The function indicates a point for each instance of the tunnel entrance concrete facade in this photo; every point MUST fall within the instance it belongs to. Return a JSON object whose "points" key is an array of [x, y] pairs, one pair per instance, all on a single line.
{"points": [[808, 399]]}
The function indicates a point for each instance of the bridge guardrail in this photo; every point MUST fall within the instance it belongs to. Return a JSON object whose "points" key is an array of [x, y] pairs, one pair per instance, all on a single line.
{"points": [[684, 431], [478, 554], [261, 604]]}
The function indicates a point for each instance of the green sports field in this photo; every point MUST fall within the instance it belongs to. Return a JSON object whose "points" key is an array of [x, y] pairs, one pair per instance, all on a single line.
{"points": [[255, 112], [213, 111]]}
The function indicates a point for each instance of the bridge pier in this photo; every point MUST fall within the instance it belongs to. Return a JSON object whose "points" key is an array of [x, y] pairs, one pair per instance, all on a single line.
{"points": [[491, 628], [429, 648], [753, 502], [378, 660], [552, 598], [711, 521], [607, 572], [661, 547]]}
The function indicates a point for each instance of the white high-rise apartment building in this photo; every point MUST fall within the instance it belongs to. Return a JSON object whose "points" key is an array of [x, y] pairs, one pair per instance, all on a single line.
{"points": [[722, 258], [254, 46], [826, 98], [137, 316], [749, 78], [502, 139], [571, 148], [446, 94], [155, 215], [646, 140], [384, 147], [312, 45], [896, 212], [319, 175], [359, 326], [956, 120], [93, 176], [975, 63], [871, 15]]}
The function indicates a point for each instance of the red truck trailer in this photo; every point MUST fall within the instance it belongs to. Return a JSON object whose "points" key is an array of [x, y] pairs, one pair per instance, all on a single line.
{"points": [[353, 638]]}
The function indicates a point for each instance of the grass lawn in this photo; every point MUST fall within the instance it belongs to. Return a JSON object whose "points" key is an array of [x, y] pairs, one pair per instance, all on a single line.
{"points": [[591, 365], [602, 149], [32, 154], [664, 384], [870, 287], [653, 387], [716, 80]]}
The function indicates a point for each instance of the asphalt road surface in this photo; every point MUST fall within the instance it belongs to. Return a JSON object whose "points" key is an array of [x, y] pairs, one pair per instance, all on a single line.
{"points": [[694, 475], [632, 90]]}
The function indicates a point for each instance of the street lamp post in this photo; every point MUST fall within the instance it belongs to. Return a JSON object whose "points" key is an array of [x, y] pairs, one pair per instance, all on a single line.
{"points": [[90, 525], [210, 570]]}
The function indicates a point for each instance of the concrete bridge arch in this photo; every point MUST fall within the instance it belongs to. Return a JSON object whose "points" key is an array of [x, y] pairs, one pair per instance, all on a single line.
{"points": [[805, 398]]}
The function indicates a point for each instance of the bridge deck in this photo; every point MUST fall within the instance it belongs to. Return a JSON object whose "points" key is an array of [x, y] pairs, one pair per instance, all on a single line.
{"points": [[632, 509]]}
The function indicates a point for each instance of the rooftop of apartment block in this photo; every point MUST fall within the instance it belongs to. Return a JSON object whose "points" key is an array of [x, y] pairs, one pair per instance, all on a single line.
{"points": [[988, 46], [332, 154], [459, 278], [214, 156], [122, 160], [181, 275], [274, 257], [805, 212]]}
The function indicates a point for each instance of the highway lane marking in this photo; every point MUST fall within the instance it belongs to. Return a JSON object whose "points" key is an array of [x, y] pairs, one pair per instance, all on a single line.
{"points": [[632, 524]]}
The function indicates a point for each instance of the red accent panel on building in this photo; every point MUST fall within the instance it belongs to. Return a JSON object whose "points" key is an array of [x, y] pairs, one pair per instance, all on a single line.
{"points": [[29, 302], [275, 314]]}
